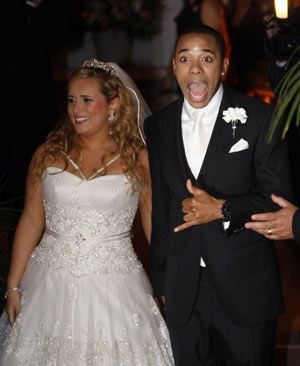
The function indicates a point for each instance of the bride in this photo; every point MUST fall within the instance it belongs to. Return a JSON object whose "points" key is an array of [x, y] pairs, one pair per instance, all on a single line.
{"points": [[76, 292]]}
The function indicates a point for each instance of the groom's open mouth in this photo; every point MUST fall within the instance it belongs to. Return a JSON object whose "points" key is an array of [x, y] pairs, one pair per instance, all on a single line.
{"points": [[197, 90]]}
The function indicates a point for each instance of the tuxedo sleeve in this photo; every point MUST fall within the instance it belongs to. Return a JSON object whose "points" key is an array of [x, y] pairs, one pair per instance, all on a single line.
{"points": [[296, 226], [160, 217], [271, 168]]}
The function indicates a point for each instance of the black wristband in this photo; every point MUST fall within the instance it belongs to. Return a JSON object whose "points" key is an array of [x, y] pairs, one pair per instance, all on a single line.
{"points": [[226, 212]]}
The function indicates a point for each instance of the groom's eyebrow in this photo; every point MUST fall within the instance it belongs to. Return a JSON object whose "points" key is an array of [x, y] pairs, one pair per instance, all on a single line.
{"points": [[183, 50], [202, 50]]}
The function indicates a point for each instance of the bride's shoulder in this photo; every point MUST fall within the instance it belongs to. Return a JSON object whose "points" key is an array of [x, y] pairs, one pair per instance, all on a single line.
{"points": [[44, 158], [38, 153]]}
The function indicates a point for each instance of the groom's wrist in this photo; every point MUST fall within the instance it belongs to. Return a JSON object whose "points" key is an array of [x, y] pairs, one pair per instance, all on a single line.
{"points": [[218, 209]]}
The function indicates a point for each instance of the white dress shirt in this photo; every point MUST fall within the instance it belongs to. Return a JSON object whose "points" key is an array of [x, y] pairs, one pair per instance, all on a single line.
{"points": [[197, 125]]}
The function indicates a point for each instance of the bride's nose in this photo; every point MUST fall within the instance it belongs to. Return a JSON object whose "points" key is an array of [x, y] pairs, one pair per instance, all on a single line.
{"points": [[77, 107]]}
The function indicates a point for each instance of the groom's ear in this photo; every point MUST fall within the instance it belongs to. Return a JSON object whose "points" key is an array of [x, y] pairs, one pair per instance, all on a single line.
{"points": [[225, 66]]}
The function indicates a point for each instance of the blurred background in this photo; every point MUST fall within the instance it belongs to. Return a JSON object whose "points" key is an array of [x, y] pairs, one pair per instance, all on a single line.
{"points": [[43, 41]]}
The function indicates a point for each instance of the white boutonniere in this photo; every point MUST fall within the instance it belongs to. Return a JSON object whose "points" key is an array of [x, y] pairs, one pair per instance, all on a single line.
{"points": [[234, 115]]}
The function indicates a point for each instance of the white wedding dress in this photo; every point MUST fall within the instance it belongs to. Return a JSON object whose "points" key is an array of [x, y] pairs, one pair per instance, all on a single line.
{"points": [[85, 298]]}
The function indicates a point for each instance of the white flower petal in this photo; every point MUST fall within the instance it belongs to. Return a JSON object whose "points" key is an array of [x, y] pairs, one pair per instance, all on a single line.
{"points": [[226, 116], [232, 113], [235, 114]]}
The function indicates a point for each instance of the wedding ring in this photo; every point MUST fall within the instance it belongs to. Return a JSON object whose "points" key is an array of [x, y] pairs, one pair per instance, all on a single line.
{"points": [[269, 231]]}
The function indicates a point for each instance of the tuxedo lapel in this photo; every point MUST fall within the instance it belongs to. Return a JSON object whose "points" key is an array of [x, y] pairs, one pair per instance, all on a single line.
{"points": [[220, 142], [173, 151], [183, 161]]}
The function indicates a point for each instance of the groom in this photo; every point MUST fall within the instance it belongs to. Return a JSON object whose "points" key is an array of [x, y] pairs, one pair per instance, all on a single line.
{"points": [[209, 174]]}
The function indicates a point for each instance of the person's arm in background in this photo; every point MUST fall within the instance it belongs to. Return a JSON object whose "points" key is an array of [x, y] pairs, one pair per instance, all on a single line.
{"points": [[213, 15], [280, 225]]}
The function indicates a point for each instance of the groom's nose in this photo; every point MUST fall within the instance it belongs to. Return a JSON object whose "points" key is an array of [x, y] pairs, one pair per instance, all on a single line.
{"points": [[196, 68]]}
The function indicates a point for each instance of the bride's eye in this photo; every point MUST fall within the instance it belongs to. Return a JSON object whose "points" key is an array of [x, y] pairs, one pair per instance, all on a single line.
{"points": [[71, 100], [86, 99]]}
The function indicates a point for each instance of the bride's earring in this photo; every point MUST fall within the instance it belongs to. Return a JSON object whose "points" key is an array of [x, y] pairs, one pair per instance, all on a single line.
{"points": [[110, 119]]}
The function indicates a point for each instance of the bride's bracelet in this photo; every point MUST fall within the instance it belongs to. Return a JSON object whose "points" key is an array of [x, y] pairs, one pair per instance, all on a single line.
{"points": [[11, 289]]}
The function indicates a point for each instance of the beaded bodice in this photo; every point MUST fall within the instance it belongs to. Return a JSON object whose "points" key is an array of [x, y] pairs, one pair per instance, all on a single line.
{"points": [[88, 224]]}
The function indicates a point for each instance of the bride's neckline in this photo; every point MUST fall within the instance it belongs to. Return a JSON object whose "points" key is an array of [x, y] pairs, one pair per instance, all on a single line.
{"points": [[94, 174]]}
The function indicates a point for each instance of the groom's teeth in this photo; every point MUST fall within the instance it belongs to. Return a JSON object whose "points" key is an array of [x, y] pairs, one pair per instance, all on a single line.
{"points": [[197, 90], [196, 96]]}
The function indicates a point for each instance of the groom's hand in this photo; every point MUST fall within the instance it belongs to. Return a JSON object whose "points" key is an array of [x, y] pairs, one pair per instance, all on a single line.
{"points": [[199, 209]]}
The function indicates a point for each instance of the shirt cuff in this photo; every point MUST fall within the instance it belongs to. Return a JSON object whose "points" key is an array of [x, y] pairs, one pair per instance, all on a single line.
{"points": [[226, 225]]}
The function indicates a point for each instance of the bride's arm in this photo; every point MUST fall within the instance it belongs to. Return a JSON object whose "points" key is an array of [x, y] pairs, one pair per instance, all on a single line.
{"points": [[27, 235], [145, 205]]}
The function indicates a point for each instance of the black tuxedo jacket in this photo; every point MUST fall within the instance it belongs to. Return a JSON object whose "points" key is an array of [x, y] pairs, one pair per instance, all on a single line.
{"points": [[242, 264], [296, 226]]}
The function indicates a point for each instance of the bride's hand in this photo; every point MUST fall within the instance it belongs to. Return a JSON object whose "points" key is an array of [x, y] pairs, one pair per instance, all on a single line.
{"points": [[12, 306]]}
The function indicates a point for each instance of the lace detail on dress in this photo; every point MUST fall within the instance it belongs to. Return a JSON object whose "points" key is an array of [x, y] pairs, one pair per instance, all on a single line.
{"points": [[70, 221], [92, 241], [53, 344]]}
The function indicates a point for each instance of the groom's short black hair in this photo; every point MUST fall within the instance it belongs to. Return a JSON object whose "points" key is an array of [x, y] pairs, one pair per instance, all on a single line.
{"points": [[205, 29]]}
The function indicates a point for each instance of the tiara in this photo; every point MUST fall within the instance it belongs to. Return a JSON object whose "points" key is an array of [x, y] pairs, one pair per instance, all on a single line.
{"points": [[95, 64]]}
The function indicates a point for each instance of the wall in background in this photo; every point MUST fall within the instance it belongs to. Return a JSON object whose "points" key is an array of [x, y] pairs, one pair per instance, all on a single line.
{"points": [[113, 46]]}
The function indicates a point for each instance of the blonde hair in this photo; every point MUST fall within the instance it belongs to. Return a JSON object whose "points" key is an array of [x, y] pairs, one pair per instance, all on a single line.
{"points": [[124, 131]]}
